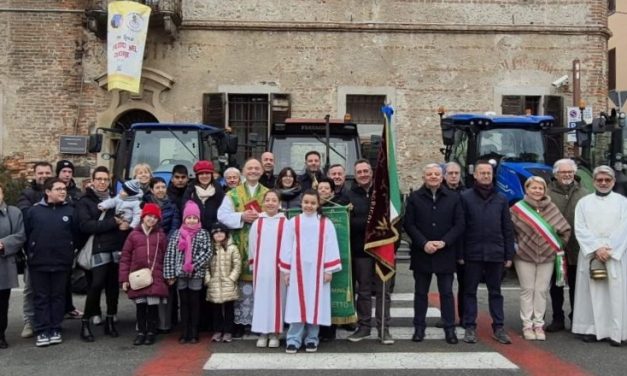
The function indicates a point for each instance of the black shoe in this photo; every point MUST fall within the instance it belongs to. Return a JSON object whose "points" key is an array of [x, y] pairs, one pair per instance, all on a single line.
{"points": [[150, 339], [238, 331], [612, 343], [419, 335], [291, 349], [3, 343], [109, 327], [86, 334], [193, 340], [140, 339], [183, 339], [555, 326], [451, 337], [311, 347], [501, 336], [589, 338]]}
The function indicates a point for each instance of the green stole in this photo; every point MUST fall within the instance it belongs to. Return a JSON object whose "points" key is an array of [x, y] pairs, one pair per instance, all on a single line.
{"points": [[240, 197]]}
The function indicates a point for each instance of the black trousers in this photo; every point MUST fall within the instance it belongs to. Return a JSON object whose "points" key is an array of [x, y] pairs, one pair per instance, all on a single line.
{"points": [[422, 282], [147, 317], [366, 280], [223, 316], [189, 301], [492, 272], [5, 295], [460, 292], [69, 305], [103, 277], [49, 299], [557, 294]]}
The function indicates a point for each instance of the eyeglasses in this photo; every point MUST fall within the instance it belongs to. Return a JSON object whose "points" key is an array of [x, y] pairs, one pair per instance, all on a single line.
{"points": [[603, 180]]}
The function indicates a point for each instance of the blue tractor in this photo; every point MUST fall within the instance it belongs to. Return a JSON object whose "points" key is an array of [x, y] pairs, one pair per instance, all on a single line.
{"points": [[515, 145], [163, 146]]}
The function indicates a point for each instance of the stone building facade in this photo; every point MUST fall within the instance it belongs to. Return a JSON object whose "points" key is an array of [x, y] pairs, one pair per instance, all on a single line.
{"points": [[307, 57]]}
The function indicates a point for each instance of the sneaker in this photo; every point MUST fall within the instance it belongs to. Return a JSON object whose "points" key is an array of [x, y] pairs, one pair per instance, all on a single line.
{"points": [[361, 333], [555, 326], [55, 337], [97, 320], [262, 341], [539, 332], [386, 338], [216, 337], [73, 314], [470, 336], [311, 347], [529, 334], [27, 332], [42, 340], [501, 337], [227, 337], [274, 341], [291, 349]]}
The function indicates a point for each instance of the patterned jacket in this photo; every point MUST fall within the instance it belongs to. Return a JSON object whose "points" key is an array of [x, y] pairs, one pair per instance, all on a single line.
{"points": [[201, 253]]}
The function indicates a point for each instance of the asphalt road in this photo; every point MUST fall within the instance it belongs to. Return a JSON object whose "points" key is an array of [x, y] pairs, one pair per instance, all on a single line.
{"points": [[561, 353]]}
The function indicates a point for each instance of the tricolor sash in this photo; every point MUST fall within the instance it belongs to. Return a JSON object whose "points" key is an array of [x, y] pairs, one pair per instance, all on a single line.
{"points": [[528, 214]]}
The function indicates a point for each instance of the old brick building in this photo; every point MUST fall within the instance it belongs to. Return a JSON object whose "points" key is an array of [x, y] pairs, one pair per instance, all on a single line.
{"points": [[244, 62]]}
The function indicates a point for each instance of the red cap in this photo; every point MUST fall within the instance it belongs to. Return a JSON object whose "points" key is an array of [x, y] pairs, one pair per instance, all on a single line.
{"points": [[203, 166], [151, 209]]}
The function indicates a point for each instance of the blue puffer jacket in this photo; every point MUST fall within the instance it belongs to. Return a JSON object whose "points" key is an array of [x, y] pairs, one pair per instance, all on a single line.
{"points": [[489, 234], [170, 214], [51, 232]]}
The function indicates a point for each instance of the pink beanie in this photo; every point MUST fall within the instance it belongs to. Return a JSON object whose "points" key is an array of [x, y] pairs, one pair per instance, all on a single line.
{"points": [[191, 209]]}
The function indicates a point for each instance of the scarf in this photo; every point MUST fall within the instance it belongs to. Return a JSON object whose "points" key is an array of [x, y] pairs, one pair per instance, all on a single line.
{"points": [[159, 201], [101, 195], [185, 244], [205, 193], [484, 190]]}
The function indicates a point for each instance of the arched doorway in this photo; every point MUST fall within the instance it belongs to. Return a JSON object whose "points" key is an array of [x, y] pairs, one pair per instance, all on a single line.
{"points": [[128, 118]]}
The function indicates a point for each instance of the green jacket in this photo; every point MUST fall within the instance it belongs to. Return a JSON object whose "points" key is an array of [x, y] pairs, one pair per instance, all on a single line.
{"points": [[566, 198]]}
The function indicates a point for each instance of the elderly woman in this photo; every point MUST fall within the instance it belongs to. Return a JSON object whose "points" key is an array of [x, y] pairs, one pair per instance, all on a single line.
{"points": [[288, 186], [232, 178], [541, 233], [143, 173], [11, 240]]}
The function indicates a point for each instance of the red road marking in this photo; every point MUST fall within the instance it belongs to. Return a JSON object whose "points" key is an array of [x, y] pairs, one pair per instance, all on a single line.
{"points": [[530, 358], [173, 358]]}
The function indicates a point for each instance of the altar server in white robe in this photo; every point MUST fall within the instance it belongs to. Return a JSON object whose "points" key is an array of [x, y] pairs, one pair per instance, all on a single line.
{"points": [[601, 229], [264, 244], [309, 256]]}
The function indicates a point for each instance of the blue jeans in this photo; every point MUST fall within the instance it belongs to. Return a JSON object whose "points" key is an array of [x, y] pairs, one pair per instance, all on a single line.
{"points": [[297, 330]]}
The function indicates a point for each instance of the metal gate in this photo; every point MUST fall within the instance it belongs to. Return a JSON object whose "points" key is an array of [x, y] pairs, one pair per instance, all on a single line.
{"points": [[248, 117]]}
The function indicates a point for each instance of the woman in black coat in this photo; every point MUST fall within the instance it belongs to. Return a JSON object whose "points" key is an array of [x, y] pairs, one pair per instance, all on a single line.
{"points": [[434, 220]]}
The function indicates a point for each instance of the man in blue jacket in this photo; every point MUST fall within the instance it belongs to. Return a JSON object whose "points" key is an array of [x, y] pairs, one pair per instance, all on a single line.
{"points": [[488, 248]]}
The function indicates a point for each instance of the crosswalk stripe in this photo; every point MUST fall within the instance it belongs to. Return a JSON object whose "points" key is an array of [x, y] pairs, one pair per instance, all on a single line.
{"points": [[337, 361], [399, 333], [400, 312]]}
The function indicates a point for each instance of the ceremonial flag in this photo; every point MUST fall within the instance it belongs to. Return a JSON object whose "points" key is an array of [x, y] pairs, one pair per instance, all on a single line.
{"points": [[385, 204], [126, 39]]}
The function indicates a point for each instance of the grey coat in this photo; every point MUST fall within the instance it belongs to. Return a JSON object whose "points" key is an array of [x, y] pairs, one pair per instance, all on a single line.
{"points": [[12, 237]]}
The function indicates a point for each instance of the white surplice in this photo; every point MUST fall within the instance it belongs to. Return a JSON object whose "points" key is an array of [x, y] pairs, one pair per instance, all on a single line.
{"points": [[601, 305], [264, 241], [309, 249]]}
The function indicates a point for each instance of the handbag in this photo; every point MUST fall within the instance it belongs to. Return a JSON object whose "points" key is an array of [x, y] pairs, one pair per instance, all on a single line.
{"points": [[142, 278], [84, 255]]}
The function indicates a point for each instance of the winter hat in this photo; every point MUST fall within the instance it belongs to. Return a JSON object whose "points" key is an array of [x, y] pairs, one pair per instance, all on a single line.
{"points": [[219, 226], [191, 209], [131, 187], [63, 164], [203, 166], [151, 209]]}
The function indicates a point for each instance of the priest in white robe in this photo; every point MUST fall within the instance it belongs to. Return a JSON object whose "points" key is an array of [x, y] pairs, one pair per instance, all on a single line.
{"points": [[309, 254], [601, 229]]}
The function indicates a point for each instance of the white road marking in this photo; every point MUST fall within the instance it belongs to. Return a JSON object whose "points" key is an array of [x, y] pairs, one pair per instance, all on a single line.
{"points": [[337, 361]]}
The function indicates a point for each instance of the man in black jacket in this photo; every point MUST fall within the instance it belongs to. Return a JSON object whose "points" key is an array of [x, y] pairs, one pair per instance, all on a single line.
{"points": [[364, 264], [309, 179], [488, 247], [267, 179], [178, 185], [29, 197], [434, 220]]}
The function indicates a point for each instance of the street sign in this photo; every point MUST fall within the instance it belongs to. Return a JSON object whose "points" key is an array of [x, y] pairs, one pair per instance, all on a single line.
{"points": [[73, 144], [618, 97]]}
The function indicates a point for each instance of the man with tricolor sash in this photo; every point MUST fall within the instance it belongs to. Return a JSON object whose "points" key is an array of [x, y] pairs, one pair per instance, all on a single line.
{"points": [[541, 233]]}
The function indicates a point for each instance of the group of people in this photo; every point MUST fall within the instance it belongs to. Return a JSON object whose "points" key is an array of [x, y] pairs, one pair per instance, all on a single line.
{"points": [[558, 234], [220, 253]]}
